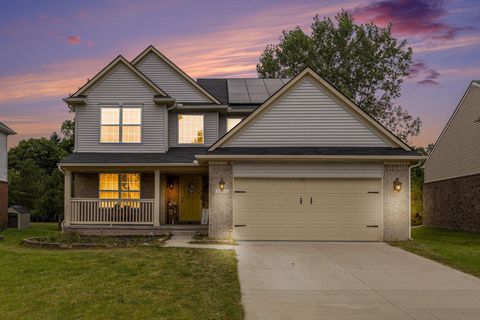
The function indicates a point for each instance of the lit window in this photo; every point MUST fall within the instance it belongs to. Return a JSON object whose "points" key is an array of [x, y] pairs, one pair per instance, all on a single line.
{"points": [[232, 122], [120, 187], [190, 129], [121, 125]]}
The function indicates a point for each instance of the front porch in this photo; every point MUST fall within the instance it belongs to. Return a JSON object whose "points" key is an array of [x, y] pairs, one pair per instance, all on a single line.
{"points": [[146, 201]]}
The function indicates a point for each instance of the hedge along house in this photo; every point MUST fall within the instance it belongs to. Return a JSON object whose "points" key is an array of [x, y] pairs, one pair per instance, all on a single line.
{"points": [[5, 131], [268, 159], [452, 171]]}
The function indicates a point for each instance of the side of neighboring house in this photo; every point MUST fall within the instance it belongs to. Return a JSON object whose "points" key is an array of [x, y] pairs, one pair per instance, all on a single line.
{"points": [[5, 131], [452, 171], [256, 159]]}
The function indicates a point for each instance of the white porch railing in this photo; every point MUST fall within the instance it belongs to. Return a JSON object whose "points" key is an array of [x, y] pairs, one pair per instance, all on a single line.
{"points": [[99, 211]]}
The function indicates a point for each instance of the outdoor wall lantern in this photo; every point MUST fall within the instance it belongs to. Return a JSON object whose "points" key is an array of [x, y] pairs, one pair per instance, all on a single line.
{"points": [[170, 183], [397, 185], [221, 184]]}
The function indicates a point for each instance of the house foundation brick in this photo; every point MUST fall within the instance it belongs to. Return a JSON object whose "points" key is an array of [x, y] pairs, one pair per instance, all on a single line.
{"points": [[396, 213], [453, 203], [3, 203], [220, 202]]}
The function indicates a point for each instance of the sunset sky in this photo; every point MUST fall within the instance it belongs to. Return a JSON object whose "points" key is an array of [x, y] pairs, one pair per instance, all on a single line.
{"points": [[50, 48]]}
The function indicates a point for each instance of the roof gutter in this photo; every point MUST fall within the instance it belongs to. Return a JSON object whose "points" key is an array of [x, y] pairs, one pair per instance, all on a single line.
{"points": [[210, 157], [90, 164], [164, 100]]}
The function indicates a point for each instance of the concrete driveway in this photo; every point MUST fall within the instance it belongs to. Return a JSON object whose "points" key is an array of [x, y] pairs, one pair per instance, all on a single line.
{"points": [[342, 280]]}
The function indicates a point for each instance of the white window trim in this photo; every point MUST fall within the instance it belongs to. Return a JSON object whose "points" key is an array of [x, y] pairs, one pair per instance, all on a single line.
{"points": [[120, 124], [178, 129], [119, 187]]}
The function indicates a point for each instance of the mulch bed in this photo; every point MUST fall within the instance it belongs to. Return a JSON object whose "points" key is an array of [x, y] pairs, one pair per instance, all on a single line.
{"points": [[114, 242]]}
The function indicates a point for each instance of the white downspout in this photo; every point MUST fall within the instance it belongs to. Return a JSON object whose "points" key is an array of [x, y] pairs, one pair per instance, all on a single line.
{"points": [[63, 172], [410, 198]]}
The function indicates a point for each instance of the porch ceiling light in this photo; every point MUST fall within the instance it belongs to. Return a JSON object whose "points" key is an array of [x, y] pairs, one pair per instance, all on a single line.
{"points": [[397, 185], [221, 184]]}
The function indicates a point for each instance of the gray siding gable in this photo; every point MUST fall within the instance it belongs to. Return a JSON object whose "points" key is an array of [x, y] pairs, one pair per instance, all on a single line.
{"points": [[169, 80], [120, 86], [457, 151], [305, 116]]}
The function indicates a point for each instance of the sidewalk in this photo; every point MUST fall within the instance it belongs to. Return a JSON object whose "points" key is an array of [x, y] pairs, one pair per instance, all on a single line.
{"points": [[182, 241]]}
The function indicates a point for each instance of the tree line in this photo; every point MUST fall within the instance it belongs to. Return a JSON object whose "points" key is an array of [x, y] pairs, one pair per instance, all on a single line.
{"points": [[33, 175]]}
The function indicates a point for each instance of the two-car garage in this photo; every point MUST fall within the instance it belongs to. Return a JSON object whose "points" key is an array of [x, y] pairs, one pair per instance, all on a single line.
{"points": [[331, 202]]}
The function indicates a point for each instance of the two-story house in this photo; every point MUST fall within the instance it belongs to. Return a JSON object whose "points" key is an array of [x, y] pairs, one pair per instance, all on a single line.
{"points": [[5, 131], [254, 159]]}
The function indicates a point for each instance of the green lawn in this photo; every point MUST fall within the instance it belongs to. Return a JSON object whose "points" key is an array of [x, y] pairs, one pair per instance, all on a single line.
{"points": [[130, 283], [458, 249]]}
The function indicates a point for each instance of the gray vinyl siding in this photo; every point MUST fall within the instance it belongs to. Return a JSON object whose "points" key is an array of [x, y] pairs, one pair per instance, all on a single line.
{"points": [[308, 170], [3, 157], [222, 122], [457, 153], [210, 127], [121, 85], [169, 80], [308, 117]]}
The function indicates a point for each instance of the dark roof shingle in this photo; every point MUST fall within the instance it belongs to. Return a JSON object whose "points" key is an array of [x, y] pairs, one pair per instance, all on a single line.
{"points": [[173, 155]]}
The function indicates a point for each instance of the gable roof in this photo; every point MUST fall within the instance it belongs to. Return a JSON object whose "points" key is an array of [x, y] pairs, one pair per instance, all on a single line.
{"points": [[445, 129], [154, 50], [330, 89], [110, 66], [6, 129]]}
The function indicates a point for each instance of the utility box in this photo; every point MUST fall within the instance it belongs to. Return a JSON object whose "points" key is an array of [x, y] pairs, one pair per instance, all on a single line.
{"points": [[18, 217]]}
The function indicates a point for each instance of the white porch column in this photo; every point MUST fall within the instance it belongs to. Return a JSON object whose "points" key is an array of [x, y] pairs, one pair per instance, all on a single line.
{"points": [[156, 210], [67, 196]]}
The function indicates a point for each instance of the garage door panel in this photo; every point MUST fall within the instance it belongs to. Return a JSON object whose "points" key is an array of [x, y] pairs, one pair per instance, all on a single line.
{"points": [[330, 209], [341, 186], [269, 186]]}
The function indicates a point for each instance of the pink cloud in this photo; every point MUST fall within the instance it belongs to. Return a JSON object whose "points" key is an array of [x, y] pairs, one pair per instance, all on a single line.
{"points": [[89, 43], [428, 75], [73, 40], [410, 17]]}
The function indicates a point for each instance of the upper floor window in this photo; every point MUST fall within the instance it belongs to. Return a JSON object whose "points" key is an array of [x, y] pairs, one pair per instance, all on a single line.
{"points": [[232, 122], [121, 125], [190, 129]]}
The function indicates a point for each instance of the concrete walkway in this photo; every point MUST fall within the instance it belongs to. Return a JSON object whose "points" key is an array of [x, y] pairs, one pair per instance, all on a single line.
{"points": [[182, 241], [319, 280]]}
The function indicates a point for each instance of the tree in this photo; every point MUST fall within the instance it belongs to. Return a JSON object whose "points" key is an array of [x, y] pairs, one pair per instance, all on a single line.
{"points": [[45, 153], [34, 178], [364, 61], [68, 132]]}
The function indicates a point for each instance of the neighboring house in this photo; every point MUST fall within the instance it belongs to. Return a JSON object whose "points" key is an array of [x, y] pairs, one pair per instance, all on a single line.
{"points": [[268, 159], [4, 133], [452, 171]]}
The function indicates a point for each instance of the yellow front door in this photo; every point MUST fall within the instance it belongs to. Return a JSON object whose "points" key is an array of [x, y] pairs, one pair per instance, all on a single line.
{"points": [[190, 198]]}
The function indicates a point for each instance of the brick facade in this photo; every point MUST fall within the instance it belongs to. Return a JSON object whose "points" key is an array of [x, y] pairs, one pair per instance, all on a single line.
{"points": [[220, 203], [85, 185], [396, 213], [3, 203], [453, 203]]}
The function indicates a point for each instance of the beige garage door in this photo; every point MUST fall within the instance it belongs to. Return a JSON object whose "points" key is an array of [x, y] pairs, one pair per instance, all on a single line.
{"points": [[308, 209]]}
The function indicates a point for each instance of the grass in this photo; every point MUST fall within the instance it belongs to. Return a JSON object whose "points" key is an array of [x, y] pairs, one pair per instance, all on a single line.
{"points": [[457, 249], [123, 283]]}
